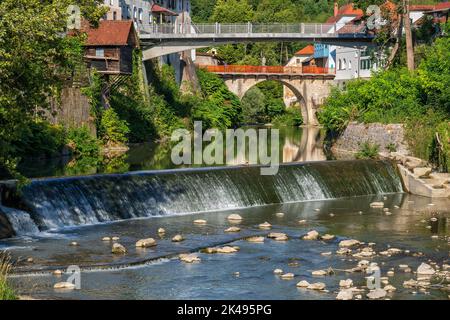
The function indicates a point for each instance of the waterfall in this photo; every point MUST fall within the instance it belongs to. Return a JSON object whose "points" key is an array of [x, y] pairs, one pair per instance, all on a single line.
{"points": [[59, 202]]}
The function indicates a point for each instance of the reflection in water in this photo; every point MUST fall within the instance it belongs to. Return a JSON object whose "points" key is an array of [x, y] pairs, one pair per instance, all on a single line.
{"points": [[296, 145], [309, 148]]}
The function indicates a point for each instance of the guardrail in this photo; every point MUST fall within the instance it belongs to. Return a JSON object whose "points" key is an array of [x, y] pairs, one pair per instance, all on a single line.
{"points": [[266, 69], [251, 28]]}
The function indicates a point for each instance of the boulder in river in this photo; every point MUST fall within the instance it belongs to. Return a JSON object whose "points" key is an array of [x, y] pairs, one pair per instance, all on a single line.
{"points": [[178, 238], [227, 249], [425, 269], [233, 229], [316, 286], [274, 235], [106, 239], [255, 239], [327, 237], [234, 217], [146, 243], [279, 214], [319, 273], [377, 204], [348, 243], [117, 248], [200, 221], [161, 231], [390, 288], [346, 283], [189, 258], [287, 276], [64, 285], [277, 271], [57, 273], [345, 294], [265, 225], [303, 284], [311, 235], [377, 294]]}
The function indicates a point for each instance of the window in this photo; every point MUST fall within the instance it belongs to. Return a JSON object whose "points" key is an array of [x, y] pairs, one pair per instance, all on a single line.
{"points": [[340, 64], [114, 15], [140, 15], [344, 65], [135, 13], [99, 52], [349, 64], [298, 61], [111, 2]]}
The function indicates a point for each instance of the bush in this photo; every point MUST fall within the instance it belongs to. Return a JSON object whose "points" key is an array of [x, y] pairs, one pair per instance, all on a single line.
{"points": [[292, 118], [368, 151], [82, 143], [439, 148], [112, 129], [6, 292]]}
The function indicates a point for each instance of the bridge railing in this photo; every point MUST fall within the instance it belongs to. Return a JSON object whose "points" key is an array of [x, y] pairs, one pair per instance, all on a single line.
{"points": [[267, 69], [251, 28]]}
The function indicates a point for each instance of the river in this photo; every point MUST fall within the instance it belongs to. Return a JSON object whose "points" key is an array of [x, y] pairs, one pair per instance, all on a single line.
{"points": [[331, 197]]}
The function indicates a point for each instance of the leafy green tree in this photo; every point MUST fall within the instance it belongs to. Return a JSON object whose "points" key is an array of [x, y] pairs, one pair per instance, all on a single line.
{"points": [[232, 11], [113, 130]]}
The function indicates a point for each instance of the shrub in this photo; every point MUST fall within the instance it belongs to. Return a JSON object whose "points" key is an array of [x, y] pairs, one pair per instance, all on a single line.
{"points": [[291, 118], [368, 151], [82, 142], [391, 147], [112, 129], [6, 292]]}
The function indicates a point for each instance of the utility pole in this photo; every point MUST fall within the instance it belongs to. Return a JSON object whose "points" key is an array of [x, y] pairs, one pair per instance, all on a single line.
{"points": [[408, 35]]}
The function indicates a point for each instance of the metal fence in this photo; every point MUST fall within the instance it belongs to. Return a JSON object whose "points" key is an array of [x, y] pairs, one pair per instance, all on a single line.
{"points": [[251, 28], [267, 69]]}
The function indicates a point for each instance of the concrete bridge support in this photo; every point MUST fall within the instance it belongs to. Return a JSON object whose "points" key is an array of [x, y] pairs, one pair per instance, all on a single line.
{"points": [[310, 90]]}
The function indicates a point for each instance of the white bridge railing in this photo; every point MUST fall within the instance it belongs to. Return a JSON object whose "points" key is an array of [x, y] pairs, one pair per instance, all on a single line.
{"points": [[250, 28]]}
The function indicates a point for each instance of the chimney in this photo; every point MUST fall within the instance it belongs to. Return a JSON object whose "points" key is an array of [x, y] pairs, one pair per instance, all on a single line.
{"points": [[336, 8]]}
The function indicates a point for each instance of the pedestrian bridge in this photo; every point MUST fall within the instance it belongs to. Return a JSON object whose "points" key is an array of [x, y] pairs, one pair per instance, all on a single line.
{"points": [[310, 84], [161, 39]]}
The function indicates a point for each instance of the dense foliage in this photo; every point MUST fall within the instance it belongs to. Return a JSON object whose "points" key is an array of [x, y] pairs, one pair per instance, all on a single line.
{"points": [[420, 99]]}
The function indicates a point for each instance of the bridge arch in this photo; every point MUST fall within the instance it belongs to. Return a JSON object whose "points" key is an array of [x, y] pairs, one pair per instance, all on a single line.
{"points": [[300, 99]]}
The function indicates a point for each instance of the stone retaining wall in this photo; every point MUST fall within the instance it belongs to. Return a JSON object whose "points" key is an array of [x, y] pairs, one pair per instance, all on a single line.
{"points": [[376, 133]]}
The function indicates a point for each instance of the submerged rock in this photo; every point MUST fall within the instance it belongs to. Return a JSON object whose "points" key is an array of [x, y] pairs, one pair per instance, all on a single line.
{"points": [[225, 249], [255, 239], [64, 285], [117, 248], [311, 235], [178, 238], [281, 238], [146, 243], [161, 231], [279, 214], [265, 225], [233, 229], [74, 244], [275, 235], [234, 217], [328, 253]]}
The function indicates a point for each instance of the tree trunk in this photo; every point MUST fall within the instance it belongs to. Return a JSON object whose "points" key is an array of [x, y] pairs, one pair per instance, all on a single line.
{"points": [[397, 42], [409, 40]]}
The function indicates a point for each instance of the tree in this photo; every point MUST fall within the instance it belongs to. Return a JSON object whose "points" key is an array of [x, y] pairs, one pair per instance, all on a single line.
{"points": [[35, 58], [232, 11]]}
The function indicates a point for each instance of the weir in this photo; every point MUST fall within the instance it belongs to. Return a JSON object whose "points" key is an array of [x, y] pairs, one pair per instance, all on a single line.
{"points": [[60, 202]]}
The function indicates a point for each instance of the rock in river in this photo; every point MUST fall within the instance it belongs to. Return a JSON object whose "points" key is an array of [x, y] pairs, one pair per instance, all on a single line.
{"points": [[425, 269], [319, 273], [177, 238], [189, 258], [146, 243], [316, 286], [255, 239], [348, 243], [327, 237], [275, 235], [200, 221], [117, 248], [277, 271], [303, 284], [64, 285], [234, 217], [233, 229], [377, 294], [161, 231], [346, 283], [265, 225], [311, 235], [287, 276], [377, 204], [345, 294]]}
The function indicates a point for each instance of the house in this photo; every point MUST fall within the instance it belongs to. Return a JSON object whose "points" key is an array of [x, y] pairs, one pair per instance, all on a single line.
{"points": [[109, 48], [209, 58], [115, 10], [300, 56]]}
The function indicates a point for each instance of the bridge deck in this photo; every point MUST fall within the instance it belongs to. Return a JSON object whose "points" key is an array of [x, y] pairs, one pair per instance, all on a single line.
{"points": [[269, 70]]}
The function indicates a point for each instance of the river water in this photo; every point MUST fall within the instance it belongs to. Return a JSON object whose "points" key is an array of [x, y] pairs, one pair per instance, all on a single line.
{"points": [[328, 196]]}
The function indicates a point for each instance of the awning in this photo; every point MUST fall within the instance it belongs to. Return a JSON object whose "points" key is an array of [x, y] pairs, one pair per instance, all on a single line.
{"points": [[162, 10]]}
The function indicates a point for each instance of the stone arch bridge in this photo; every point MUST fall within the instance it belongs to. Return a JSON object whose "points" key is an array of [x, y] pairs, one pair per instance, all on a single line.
{"points": [[309, 85]]}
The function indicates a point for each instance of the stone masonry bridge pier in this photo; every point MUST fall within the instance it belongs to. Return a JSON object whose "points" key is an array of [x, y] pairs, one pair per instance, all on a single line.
{"points": [[310, 85]]}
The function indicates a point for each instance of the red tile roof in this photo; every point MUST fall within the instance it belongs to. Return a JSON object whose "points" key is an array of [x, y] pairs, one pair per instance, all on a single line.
{"points": [[159, 9], [109, 33], [421, 7], [345, 11], [306, 51], [442, 5]]}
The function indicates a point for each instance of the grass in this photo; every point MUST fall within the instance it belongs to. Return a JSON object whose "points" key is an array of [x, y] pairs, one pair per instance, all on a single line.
{"points": [[6, 292], [368, 151]]}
